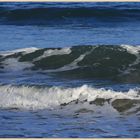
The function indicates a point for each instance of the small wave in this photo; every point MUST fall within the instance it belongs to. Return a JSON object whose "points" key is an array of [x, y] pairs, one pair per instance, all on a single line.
{"points": [[48, 98]]}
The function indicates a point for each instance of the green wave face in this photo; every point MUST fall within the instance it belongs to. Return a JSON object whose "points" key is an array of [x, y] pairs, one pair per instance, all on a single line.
{"points": [[113, 62]]}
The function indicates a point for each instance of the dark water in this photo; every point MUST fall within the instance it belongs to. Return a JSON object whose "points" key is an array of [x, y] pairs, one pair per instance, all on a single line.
{"points": [[70, 69]]}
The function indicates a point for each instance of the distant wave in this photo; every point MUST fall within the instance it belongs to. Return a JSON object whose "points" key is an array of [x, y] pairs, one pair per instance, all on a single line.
{"points": [[24, 97], [44, 15], [119, 63]]}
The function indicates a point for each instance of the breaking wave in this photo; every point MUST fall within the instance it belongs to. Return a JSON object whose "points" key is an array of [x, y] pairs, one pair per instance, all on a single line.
{"points": [[24, 97], [119, 63]]}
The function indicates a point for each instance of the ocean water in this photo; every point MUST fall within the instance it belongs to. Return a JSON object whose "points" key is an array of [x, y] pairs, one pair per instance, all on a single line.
{"points": [[70, 70]]}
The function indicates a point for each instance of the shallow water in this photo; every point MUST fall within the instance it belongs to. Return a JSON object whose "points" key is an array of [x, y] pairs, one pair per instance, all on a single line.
{"points": [[101, 122]]}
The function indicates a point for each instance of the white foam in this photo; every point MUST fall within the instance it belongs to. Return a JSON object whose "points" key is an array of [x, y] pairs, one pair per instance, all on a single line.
{"points": [[24, 50], [41, 98], [54, 52], [12, 64], [72, 65], [132, 49]]}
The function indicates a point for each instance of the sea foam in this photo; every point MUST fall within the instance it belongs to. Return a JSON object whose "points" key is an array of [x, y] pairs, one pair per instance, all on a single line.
{"points": [[51, 97]]}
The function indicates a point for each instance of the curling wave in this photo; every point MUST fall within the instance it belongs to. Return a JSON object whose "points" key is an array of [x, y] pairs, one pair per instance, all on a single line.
{"points": [[119, 63]]}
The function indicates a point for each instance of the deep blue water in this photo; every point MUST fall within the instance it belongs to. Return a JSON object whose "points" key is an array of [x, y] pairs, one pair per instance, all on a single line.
{"points": [[65, 24], [35, 103]]}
